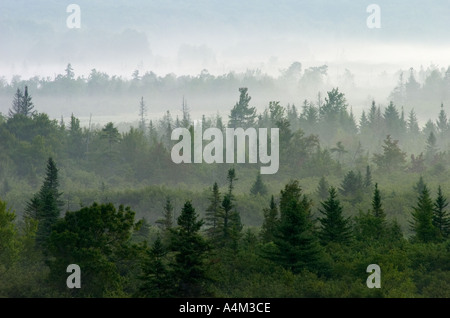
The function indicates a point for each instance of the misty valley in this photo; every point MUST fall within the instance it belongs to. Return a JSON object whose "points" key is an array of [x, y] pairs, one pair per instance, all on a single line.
{"points": [[282, 201]]}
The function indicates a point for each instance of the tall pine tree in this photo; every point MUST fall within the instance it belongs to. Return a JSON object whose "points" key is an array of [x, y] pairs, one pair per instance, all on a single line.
{"points": [[297, 246], [189, 269], [270, 222], [441, 219], [422, 218], [334, 226]]}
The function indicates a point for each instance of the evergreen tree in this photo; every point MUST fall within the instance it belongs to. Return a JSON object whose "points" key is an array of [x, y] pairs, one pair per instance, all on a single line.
{"points": [[322, 189], [363, 122], [27, 105], [297, 246], [242, 115], [413, 125], [442, 122], [142, 113], [70, 75], [352, 184], [45, 206], [213, 211], [75, 138], [22, 104], [97, 238], [431, 147], [392, 158], [368, 177], [9, 239], [422, 218], [419, 186], [156, 279], [392, 120], [111, 135], [166, 223], [16, 104], [229, 220], [377, 208], [186, 121], [270, 223], [441, 219], [334, 226], [189, 269], [258, 187]]}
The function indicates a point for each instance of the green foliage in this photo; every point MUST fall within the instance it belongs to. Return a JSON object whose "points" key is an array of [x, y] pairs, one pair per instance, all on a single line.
{"points": [[156, 280], [258, 187], [242, 115], [97, 239], [422, 218], [270, 223], [189, 269], [297, 247], [392, 157], [334, 226], [441, 219]]}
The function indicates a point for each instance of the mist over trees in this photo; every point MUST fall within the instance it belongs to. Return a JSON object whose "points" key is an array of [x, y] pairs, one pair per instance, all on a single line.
{"points": [[350, 191]]}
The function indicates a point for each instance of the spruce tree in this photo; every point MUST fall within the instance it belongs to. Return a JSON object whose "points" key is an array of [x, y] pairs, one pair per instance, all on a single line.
{"points": [[419, 186], [422, 218], [297, 246], [166, 223], [229, 220], [242, 115], [258, 187], [27, 105], [392, 158], [377, 209], [16, 104], [46, 205], [189, 269], [322, 189], [269, 226], [441, 219], [334, 226], [212, 212], [156, 279], [142, 114]]}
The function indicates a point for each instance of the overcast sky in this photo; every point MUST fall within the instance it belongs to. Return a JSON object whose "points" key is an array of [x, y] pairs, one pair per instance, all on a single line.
{"points": [[186, 36]]}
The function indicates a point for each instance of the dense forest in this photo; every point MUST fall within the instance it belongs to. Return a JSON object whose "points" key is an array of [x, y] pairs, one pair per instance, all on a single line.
{"points": [[349, 192]]}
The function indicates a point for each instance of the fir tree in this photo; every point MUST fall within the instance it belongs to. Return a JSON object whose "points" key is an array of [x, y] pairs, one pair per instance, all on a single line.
{"points": [[377, 208], [419, 186], [27, 105], [258, 187], [442, 122], [334, 226], [229, 220], [16, 104], [422, 218], [166, 223], [213, 211], [45, 206], [297, 246], [242, 115], [352, 184], [269, 226], [156, 279], [322, 189], [189, 269], [142, 114], [441, 219], [392, 158], [413, 125]]}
